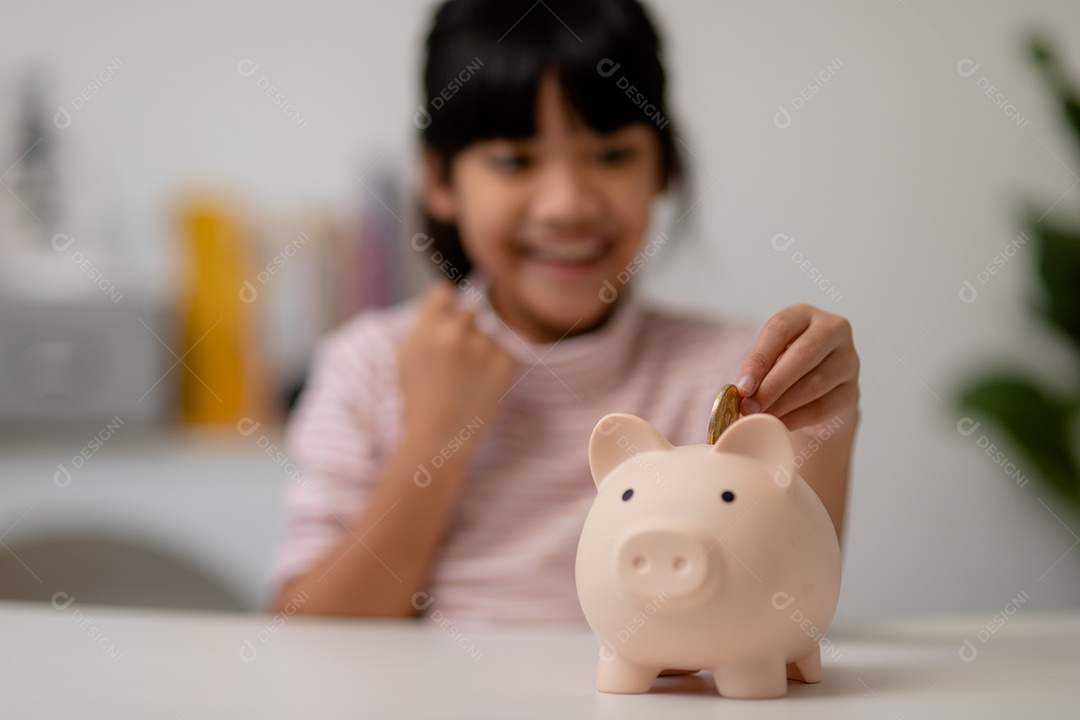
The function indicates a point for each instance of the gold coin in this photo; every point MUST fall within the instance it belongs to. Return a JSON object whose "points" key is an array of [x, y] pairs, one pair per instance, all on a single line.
{"points": [[724, 412]]}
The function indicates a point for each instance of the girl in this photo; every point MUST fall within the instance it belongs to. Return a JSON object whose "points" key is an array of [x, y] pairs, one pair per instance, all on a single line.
{"points": [[444, 442]]}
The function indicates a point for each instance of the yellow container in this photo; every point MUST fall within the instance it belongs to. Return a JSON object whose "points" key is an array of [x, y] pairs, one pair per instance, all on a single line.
{"points": [[218, 362]]}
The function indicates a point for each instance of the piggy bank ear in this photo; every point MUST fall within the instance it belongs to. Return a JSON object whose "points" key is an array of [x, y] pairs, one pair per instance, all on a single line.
{"points": [[766, 439], [616, 439]]}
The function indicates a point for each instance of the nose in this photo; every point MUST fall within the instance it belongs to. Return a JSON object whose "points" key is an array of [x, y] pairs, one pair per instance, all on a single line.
{"points": [[564, 195], [651, 562]]}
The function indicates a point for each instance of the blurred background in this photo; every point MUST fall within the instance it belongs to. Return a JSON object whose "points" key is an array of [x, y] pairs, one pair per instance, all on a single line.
{"points": [[193, 192]]}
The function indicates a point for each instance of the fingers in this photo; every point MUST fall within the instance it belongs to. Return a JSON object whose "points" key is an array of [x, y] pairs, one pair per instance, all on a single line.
{"points": [[826, 376], [777, 334], [833, 404], [445, 325], [801, 357], [825, 334], [439, 311], [449, 370]]}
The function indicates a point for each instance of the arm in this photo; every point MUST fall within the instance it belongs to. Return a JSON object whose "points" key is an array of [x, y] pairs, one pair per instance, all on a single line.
{"points": [[827, 449], [451, 376], [386, 555]]}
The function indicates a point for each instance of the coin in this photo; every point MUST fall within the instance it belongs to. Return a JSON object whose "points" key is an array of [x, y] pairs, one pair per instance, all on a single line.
{"points": [[724, 412]]}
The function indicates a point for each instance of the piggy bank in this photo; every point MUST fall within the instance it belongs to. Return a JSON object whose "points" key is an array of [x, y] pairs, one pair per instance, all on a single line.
{"points": [[716, 557]]}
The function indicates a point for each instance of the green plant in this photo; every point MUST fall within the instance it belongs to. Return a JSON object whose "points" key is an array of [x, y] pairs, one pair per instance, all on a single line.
{"points": [[1042, 422]]}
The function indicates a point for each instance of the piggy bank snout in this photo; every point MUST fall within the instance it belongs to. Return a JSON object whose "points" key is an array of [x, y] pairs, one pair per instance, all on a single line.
{"points": [[661, 562]]}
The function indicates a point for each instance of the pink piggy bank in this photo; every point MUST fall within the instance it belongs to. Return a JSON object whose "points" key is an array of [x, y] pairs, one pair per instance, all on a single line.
{"points": [[716, 557]]}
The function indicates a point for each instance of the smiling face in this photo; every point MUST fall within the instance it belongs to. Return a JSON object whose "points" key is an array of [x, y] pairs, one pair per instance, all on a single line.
{"points": [[550, 218]]}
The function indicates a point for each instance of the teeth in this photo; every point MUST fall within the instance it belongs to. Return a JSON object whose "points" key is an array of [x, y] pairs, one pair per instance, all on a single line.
{"points": [[575, 253]]}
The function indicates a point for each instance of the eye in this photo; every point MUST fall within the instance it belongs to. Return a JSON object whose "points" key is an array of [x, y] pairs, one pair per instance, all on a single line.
{"points": [[614, 156], [628, 494], [509, 162], [727, 496]]}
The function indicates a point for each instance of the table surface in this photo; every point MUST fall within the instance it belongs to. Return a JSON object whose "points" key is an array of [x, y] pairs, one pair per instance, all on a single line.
{"points": [[90, 661]]}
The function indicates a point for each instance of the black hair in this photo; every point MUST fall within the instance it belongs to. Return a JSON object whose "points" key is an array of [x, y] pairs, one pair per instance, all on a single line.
{"points": [[485, 60]]}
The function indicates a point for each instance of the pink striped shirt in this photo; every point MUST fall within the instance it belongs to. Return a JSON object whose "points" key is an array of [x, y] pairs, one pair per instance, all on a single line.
{"points": [[509, 552]]}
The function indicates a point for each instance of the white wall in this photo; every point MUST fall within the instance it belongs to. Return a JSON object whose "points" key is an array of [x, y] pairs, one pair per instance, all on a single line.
{"points": [[899, 180]]}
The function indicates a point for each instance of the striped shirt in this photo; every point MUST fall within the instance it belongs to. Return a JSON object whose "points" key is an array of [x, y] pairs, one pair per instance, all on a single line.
{"points": [[508, 554]]}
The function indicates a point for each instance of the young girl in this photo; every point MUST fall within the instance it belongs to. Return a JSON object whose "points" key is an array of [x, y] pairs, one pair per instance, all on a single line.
{"points": [[444, 442]]}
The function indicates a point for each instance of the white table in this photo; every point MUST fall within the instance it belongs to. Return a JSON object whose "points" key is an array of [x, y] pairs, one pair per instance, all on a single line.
{"points": [[92, 661]]}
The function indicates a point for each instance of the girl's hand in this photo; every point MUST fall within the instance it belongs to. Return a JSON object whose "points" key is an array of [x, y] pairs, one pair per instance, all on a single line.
{"points": [[450, 372], [803, 368]]}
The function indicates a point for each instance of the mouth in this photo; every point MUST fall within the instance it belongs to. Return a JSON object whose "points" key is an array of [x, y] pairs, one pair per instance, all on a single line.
{"points": [[568, 258]]}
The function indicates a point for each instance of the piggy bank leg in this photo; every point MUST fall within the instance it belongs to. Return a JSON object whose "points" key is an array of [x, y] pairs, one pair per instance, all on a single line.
{"points": [[619, 675], [806, 669], [762, 677]]}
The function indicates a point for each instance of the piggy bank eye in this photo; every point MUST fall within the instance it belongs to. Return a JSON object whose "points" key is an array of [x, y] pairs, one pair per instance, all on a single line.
{"points": [[727, 496], [628, 494]]}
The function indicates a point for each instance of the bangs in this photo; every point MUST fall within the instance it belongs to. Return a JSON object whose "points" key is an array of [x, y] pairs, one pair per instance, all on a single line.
{"points": [[483, 76]]}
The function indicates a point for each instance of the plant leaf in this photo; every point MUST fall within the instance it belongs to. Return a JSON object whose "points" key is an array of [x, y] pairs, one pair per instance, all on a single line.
{"points": [[1046, 61], [1059, 267], [1036, 423]]}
